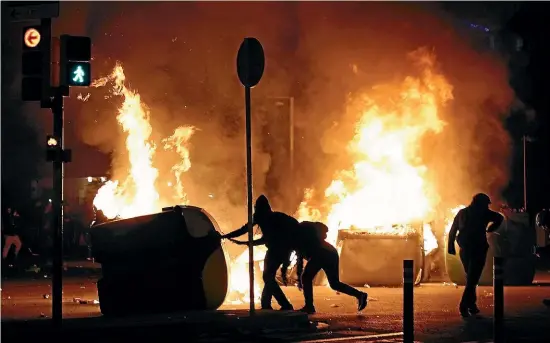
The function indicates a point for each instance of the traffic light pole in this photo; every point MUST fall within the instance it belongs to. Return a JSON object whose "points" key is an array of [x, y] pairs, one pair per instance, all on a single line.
{"points": [[57, 210]]}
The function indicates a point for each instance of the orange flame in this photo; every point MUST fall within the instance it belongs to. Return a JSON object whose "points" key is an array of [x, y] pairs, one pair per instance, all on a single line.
{"points": [[386, 185], [179, 140], [137, 194]]}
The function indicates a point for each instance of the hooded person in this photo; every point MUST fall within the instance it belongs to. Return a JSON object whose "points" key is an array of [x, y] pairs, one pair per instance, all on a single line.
{"points": [[469, 229], [276, 230]]}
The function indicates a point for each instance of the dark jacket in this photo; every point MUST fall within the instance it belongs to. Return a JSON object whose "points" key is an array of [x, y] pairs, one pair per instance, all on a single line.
{"points": [[10, 225], [276, 228], [471, 225]]}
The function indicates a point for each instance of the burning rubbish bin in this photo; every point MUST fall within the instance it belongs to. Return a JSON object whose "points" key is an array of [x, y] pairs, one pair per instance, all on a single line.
{"points": [[163, 262], [516, 242], [377, 259]]}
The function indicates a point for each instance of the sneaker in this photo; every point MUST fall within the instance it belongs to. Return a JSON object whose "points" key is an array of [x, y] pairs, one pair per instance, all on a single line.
{"points": [[308, 309], [473, 310], [546, 302], [267, 308], [362, 302], [464, 312]]}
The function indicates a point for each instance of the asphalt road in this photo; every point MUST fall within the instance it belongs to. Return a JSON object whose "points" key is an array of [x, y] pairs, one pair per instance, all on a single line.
{"points": [[436, 317]]}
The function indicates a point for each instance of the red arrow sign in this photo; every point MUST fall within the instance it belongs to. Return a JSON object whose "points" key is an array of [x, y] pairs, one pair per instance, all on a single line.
{"points": [[32, 38]]}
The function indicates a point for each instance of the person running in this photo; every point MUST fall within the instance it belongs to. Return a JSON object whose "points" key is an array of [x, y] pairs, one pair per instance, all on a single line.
{"points": [[276, 228], [11, 233], [310, 244], [471, 225]]}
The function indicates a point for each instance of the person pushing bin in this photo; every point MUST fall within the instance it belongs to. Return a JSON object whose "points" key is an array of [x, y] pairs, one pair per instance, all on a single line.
{"points": [[276, 228]]}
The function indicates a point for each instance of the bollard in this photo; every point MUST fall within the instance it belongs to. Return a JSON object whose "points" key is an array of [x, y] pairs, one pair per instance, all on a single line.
{"points": [[408, 301], [498, 300]]}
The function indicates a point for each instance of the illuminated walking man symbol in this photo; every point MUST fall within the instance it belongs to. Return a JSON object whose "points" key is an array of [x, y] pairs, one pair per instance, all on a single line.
{"points": [[79, 75]]}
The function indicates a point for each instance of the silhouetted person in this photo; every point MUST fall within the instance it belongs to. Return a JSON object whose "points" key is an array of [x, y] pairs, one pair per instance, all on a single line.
{"points": [[310, 244], [276, 228], [11, 233], [543, 221], [471, 225]]}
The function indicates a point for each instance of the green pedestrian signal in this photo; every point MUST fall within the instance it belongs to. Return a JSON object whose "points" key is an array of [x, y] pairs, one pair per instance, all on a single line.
{"points": [[78, 74], [74, 61]]}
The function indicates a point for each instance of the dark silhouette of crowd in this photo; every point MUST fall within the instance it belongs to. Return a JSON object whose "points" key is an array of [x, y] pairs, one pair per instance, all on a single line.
{"points": [[27, 236]]}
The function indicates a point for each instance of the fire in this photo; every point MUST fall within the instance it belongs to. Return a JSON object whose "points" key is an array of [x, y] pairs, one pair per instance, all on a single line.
{"points": [[137, 194], [386, 184], [179, 140], [239, 281]]}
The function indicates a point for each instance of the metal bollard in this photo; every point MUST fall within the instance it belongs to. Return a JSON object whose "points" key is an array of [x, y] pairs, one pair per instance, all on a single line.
{"points": [[408, 301], [498, 300]]}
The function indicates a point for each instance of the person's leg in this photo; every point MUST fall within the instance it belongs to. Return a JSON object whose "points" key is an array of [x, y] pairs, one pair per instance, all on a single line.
{"points": [[18, 245], [9, 241], [272, 262], [465, 302], [475, 270], [330, 264], [312, 268]]}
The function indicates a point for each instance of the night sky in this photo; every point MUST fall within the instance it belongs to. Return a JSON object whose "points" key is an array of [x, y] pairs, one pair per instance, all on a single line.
{"points": [[24, 126]]}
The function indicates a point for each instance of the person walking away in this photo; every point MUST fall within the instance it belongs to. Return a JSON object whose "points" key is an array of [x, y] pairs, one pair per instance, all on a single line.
{"points": [[276, 228], [11, 233], [310, 244], [469, 229]]}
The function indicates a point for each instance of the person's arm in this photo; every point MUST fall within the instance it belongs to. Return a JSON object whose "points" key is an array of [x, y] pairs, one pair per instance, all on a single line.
{"points": [[284, 268], [299, 268], [495, 219], [237, 233], [452, 234], [257, 242]]}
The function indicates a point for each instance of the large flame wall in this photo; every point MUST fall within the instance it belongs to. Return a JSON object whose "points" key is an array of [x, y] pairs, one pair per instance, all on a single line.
{"points": [[382, 135]]}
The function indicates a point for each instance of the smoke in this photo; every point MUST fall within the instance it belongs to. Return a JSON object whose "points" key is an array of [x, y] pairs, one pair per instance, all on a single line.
{"points": [[181, 58]]}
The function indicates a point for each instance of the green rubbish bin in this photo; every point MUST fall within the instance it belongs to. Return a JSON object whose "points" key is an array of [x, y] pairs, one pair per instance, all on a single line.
{"points": [[515, 242]]}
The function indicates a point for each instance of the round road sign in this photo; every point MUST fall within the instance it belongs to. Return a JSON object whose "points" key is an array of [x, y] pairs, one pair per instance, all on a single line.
{"points": [[32, 37], [250, 62]]}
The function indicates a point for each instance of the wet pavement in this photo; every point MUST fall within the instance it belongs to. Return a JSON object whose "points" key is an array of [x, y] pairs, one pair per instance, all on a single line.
{"points": [[436, 317]]}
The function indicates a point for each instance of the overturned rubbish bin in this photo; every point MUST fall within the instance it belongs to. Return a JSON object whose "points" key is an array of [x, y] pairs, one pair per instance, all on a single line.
{"points": [[515, 242], [377, 259], [163, 262]]}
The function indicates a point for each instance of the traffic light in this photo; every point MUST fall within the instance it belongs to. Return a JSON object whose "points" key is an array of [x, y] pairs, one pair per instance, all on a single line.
{"points": [[32, 65], [54, 152], [53, 149], [76, 53]]}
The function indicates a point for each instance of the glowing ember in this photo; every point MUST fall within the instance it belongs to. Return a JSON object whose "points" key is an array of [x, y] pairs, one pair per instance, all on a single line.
{"points": [[386, 184]]}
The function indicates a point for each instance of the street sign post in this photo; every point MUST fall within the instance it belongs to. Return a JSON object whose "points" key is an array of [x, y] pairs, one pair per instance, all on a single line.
{"points": [[31, 10], [250, 69]]}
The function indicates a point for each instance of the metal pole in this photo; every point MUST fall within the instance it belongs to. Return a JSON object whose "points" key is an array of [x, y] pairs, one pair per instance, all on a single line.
{"points": [[524, 173], [291, 132], [408, 301], [57, 212], [498, 300], [249, 196]]}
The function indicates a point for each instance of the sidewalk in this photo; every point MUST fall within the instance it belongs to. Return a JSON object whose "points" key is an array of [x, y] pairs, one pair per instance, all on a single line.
{"points": [[188, 325]]}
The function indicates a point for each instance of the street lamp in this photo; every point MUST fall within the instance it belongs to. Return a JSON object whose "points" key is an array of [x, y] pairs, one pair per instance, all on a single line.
{"points": [[291, 126]]}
